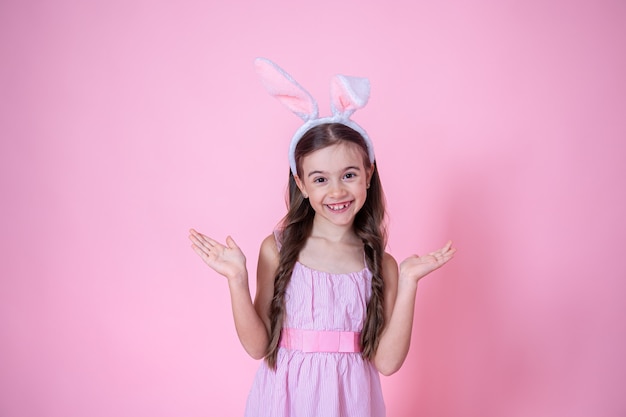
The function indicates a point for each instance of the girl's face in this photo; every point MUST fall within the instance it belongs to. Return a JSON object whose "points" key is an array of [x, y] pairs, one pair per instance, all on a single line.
{"points": [[335, 180]]}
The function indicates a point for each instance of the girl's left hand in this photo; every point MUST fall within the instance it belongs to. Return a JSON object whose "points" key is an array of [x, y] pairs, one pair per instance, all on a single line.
{"points": [[416, 267]]}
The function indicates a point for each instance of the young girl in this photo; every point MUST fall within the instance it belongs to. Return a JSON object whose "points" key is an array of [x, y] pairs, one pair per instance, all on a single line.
{"points": [[332, 309]]}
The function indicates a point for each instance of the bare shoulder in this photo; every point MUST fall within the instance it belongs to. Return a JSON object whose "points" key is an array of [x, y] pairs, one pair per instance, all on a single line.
{"points": [[390, 281], [268, 259], [390, 268], [269, 249]]}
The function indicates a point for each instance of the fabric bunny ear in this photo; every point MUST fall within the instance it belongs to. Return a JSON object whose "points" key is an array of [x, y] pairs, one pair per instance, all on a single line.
{"points": [[286, 90], [348, 94]]}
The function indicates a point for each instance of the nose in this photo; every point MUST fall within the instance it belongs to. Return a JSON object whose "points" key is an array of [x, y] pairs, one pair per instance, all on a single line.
{"points": [[336, 189]]}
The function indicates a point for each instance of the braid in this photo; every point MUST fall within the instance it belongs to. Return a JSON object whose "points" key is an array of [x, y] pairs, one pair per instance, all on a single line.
{"points": [[297, 226], [369, 226]]}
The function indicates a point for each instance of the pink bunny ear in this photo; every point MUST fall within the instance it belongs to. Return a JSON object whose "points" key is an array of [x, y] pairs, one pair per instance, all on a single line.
{"points": [[348, 94], [285, 89]]}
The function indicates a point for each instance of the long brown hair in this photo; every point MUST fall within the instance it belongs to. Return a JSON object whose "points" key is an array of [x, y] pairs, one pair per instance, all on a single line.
{"points": [[369, 226]]}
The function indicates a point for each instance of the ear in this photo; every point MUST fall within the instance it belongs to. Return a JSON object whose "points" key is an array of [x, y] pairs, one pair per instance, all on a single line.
{"points": [[300, 185], [285, 89], [370, 174]]}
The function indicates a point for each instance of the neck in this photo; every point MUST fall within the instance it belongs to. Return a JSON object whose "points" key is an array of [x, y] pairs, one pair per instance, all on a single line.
{"points": [[332, 232]]}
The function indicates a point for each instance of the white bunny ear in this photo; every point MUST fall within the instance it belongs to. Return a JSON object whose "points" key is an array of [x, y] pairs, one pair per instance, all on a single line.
{"points": [[286, 90], [348, 94]]}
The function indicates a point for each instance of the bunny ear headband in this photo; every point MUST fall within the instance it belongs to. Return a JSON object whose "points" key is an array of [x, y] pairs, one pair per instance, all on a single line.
{"points": [[348, 94]]}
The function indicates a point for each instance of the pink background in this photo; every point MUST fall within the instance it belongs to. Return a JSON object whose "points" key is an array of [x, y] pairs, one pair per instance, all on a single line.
{"points": [[499, 124]]}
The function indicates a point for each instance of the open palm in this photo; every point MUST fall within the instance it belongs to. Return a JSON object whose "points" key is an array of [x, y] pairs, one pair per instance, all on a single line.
{"points": [[416, 267], [227, 260]]}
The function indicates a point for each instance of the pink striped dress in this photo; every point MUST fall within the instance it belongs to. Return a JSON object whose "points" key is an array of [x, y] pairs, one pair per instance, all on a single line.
{"points": [[320, 383]]}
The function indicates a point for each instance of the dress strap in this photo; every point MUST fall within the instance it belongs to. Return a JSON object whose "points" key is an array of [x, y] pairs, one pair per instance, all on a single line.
{"points": [[320, 340]]}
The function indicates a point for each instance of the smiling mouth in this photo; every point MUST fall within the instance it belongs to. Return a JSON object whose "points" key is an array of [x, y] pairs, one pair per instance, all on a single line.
{"points": [[339, 207]]}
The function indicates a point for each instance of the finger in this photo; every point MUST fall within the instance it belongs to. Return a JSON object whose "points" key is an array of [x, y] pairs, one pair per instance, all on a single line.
{"points": [[199, 237], [195, 239], [437, 253], [205, 240], [199, 243], [231, 243], [194, 232], [443, 250], [211, 242], [200, 252], [208, 245], [449, 255]]}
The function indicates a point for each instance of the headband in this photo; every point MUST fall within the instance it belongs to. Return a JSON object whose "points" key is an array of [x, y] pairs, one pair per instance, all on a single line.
{"points": [[348, 94]]}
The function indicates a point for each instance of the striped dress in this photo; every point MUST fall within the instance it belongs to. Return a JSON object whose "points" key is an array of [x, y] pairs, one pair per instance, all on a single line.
{"points": [[320, 384]]}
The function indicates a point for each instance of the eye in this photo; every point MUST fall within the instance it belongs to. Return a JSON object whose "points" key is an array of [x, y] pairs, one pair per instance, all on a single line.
{"points": [[350, 175], [319, 180]]}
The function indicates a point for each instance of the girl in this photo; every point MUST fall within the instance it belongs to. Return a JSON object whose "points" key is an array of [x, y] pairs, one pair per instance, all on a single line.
{"points": [[332, 309]]}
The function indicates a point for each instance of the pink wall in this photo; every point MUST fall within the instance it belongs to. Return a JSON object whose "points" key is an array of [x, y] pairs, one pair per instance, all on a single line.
{"points": [[498, 124]]}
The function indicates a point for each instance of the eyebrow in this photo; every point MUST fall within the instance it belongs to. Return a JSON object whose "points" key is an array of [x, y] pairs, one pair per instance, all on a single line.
{"points": [[355, 168]]}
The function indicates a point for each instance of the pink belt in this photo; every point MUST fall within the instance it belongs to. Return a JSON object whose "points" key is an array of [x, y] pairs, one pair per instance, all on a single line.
{"points": [[320, 341]]}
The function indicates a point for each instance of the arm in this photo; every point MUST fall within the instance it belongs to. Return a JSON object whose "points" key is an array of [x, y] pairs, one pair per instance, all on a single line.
{"points": [[400, 291], [251, 319]]}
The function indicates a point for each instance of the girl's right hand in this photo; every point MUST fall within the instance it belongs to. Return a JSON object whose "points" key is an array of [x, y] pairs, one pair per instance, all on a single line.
{"points": [[228, 261]]}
